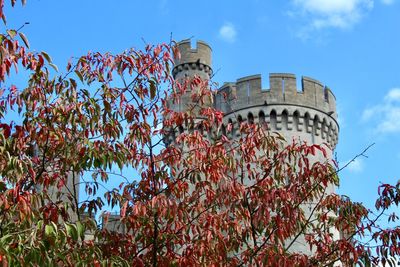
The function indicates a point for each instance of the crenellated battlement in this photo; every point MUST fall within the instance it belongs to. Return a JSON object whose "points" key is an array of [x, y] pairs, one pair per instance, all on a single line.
{"points": [[247, 92], [193, 58], [307, 112]]}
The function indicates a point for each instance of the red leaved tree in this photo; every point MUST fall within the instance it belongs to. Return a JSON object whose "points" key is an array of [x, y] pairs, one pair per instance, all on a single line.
{"points": [[203, 199]]}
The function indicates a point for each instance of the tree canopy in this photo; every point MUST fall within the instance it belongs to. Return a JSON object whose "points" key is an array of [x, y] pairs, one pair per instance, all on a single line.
{"points": [[205, 199]]}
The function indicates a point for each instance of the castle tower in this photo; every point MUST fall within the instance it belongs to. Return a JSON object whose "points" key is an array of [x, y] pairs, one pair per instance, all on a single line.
{"points": [[193, 62], [305, 114]]}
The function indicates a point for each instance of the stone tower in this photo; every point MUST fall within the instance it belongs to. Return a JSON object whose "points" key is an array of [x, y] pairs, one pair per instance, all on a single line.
{"points": [[193, 62], [306, 114]]}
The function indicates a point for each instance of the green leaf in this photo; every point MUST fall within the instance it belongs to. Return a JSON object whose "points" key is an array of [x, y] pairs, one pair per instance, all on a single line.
{"points": [[24, 39], [54, 67], [73, 83], [96, 163], [49, 230], [81, 229], [107, 106], [40, 224], [72, 231], [12, 33], [62, 237], [5, 240], [46, 56], [120, 163], [79, 74]]}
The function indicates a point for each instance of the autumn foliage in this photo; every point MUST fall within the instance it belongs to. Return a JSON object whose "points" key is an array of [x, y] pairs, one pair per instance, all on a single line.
{"points": [[202, 200]]}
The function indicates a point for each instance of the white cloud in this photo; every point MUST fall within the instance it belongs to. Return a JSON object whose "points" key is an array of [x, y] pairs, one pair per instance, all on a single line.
{"points": [[393, 95], [228, 32], [355, 166], [321, 14], [327, 6], [386, 115], [387, 2]]}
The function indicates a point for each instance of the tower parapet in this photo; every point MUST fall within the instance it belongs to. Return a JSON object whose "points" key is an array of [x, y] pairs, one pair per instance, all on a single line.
{"points": [[193, 60], [283, 107], [247, 92]]}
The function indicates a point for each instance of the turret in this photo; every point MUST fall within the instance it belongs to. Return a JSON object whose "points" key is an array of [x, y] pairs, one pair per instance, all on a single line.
{"points": [[193, 61]]}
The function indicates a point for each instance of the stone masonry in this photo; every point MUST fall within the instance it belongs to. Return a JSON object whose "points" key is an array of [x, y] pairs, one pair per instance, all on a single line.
{"points": [[306, 114]]}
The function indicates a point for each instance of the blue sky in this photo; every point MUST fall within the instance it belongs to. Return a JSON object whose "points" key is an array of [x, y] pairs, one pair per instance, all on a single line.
{"points": [[350, 45]]}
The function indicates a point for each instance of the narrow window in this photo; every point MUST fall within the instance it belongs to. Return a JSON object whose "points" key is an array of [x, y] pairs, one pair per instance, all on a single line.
{"points": [[250, 118], [261, 119], [272, 117], [285, 120]]}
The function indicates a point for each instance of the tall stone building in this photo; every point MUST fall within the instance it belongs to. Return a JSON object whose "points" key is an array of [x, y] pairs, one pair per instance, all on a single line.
{"points": [[303, 114]]}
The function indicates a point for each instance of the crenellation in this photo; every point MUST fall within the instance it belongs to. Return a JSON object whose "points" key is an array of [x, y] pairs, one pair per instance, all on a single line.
{"points": [[193, 60], [201, 53], [331, 99], [289, 87], [283, 91], [226, 95]]}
